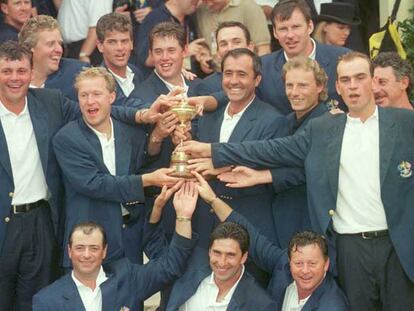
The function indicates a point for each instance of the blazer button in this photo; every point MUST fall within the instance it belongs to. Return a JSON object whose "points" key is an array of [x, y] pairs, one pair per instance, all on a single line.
{"points": [[331, 212], [11, 194], [6, 219], [123, 226]]}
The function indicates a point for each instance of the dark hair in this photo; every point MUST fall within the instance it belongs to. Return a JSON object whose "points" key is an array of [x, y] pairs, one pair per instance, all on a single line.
{"points": [[305, 238], [236, 53], [168, 30], [283, 10], [230, 24], [233, 231], [401, 67], [12, 50], [347, 57], [87, 228], [113, 21]]}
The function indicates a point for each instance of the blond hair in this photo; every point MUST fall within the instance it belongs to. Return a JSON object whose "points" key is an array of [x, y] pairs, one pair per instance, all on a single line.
{"points": [[28, 35], [96, 72]]}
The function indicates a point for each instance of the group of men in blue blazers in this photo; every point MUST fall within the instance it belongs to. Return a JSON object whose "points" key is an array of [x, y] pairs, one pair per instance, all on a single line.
{"points": [[32, 196], [118, 285], [359, 186], [301, 279]]}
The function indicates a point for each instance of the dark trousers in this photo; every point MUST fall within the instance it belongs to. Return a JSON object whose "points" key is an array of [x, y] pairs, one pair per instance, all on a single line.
{"points": [[371, 275], [28, 260]]}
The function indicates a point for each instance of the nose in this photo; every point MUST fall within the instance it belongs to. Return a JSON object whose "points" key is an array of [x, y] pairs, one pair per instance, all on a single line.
{"points": [[305, 268]]}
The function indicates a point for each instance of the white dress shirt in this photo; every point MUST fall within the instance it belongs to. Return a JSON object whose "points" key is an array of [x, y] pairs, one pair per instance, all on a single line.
{"points": [[230, 122], [91, 299], [108, 152], [127, 83], [205, 298], [312, 55], [291, 301], [28, 177], [359, 205], [170, 86]]}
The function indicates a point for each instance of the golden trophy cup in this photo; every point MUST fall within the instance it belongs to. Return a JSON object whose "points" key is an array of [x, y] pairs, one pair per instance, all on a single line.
{"points": [[185, 113]]}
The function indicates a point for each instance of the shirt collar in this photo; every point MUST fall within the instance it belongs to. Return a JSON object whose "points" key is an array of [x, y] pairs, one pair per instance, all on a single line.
{"points": [[4, 111], [129, 75], [99, 279], [374, 116], [236, 115], [103, 135], [231, 291], [172, 86], [312, 55]]}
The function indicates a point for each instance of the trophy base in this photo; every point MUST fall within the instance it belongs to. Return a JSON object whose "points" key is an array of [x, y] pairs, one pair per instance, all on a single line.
{"points": [[181, 171]]}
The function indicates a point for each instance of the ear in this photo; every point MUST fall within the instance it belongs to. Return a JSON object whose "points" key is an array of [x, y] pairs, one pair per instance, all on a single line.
{"points": [[99, 45], [112, 97], [275, 33], [185, 51], [244, 257], [310, 27], [319, 88], [405, 82], [326, 265], [4, 8], [105, 251], [337, 87], [69, 254], [251, 46], [257, 80]]}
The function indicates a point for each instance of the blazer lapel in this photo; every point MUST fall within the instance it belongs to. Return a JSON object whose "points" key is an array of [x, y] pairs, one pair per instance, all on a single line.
{"points": [[109, 294], [73, 301], [39, 117], [122, 150], [4, 155], [245, 124], [94, 143], [387, 134], [160, 87], [335, 136]]}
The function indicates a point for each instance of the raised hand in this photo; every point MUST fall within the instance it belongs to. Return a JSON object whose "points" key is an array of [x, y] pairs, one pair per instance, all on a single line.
{"points": [[160, 178], [185, 200], [196, 149], [242, 177]]}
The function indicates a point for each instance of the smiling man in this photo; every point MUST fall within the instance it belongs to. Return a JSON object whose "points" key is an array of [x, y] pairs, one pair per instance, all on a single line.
{"points": [[41, 34], [114, 32], [358, 170], [292, 27], [393, 81], [15, 14], [101, 159], [224, 284]]}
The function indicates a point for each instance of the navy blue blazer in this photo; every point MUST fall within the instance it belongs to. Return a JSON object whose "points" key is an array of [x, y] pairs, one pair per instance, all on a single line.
{"points": [[8, 32], [49, 111], [327, 297], [126, 284], [272, 88], [290, 205], [92, 193], [318, 149], [210, 84], [248, 295], [259, 121], [64, 78], [138, 78]]}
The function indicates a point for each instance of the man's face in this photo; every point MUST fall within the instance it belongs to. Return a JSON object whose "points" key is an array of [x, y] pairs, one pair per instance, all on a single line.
{"points": [[216, 5], [308, 267], [239, 81], [87, 253], [293, 34], [231, 38], [15, 76], [116, 49], [95, 102], [168, 57], [48, 51], [226, 260], [302, 90], [354, 84], [188, 7], [388, 91], [17, 12]]}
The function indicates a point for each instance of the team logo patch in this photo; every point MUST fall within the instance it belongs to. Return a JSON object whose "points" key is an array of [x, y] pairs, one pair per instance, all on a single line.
{"points": [[405, 169]]}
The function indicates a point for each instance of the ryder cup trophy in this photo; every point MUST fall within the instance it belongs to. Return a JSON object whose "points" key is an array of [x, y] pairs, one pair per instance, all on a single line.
{"points": [[185, 113]]}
